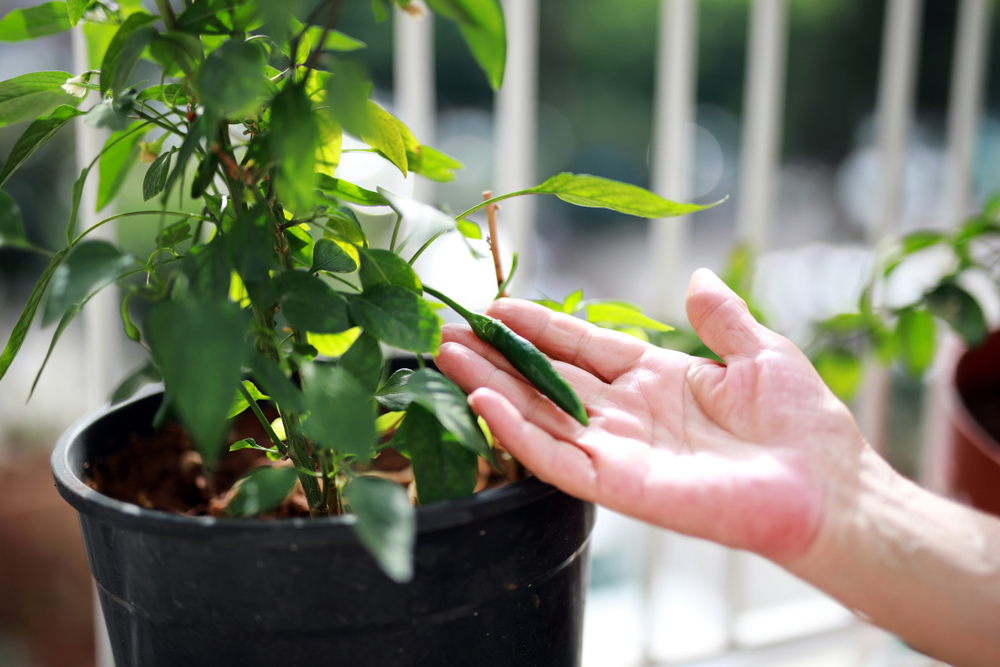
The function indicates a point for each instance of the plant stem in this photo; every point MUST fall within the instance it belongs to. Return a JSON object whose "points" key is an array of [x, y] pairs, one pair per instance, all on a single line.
{"points": [[135, 213], [529, 191], [426, 245], [167, 14], [263, 420], [395, 232], [494, 240]]}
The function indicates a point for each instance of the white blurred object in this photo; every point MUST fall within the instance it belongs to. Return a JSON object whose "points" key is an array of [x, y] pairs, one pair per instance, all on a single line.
{"points": [[447, 265]]}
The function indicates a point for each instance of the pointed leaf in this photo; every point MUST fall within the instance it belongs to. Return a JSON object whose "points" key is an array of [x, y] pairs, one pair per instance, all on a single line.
{"points": [[89, 266], [482, 26], [31, 95], [264, 489], [383, 134], [614, 314], [442, 468], [363, 360], [240, 404], [199, 346], [31, 22], [449, 405], [109, 64], [309, 304], [329, 256], [121, 153], [381, 267], [76, 8], [23, 323], [398, 317], [393, 394], [276, 383], [294, 138], [39, 133], [156, 176], [386, 524], [232, 78], [349, 192], [960, 310], [11, 224], [340, 416], [597, 192]]}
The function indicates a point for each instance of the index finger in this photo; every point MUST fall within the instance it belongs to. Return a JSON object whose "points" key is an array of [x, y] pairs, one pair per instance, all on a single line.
{"points": [[602, 352]]}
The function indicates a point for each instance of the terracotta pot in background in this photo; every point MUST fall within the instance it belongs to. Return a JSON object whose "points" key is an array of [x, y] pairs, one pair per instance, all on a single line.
{"points": [[973, 473]]}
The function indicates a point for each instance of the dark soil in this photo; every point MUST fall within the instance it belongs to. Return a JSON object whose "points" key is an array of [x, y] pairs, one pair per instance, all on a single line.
{"points": [[165, 472]]}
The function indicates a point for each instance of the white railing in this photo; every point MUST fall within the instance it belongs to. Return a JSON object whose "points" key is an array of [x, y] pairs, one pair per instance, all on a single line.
{"points": [[731, 578]]}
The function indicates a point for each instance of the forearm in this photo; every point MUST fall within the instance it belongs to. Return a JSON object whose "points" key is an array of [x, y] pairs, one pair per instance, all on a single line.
{"points": [[916, 564]]}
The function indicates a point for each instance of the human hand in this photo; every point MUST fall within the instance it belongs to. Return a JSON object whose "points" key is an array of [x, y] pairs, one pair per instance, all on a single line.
{"points": [[750, 454]]}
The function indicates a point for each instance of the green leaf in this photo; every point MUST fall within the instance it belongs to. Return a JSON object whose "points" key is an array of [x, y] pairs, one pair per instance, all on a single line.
{"points": [[449, 405], [482, 26], [28, 314], [250, 245], [143, 374], [178, 53], [174, 234], [423, 220], [442, 468], [31, 95], [386, 524], [31, 22], [240, 404], [915, 339], [573, 302], [67, 317], [88, 267], [433, 164], [156, 176], [131, 330], [173, 94], [121, 153], [960, 310], [264, 489], [277, 385], [309, 304], [112, 113], [11, 224], [109, 64], [920, 240], [469, 229], [393, 395], [340, 416], [232, 77], [347, 96], [381, 267], [329, 256], [294, 137], [397, 317], [841, 370], [363, 360], [607, 313], [343, 224], [39, 133], [199, 346], [338, 41], [219, 17], [597, 192], [300, 245], [76, 9], [204, 175], [349, 192], [381, 9], [383, 134], [334, 345]]}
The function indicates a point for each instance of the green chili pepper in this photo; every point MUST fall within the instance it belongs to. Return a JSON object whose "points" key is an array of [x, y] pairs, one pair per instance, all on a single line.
{"points": [[523, 356]]}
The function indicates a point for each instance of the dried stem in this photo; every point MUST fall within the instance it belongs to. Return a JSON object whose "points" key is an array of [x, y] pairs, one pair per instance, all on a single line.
{"points": [[491, 218]]}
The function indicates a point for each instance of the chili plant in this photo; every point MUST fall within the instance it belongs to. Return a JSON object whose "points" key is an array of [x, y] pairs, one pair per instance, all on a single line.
{"points": [[261, 267]]}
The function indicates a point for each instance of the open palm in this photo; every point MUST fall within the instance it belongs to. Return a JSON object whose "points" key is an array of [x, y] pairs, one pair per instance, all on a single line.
{"points": [[741, 453]]}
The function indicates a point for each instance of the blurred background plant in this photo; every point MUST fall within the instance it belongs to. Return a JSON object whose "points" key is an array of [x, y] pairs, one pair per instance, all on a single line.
{"points": [[596, 88]]}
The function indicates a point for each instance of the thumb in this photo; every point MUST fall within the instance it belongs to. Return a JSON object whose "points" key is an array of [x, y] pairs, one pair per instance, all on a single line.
{"points": [[722, 320]]}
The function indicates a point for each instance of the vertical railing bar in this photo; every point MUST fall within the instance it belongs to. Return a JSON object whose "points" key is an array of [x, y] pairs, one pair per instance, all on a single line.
{"points": [[897, 80], [897, 77], [413, 81], [968, 79], [676, 81], [101, 332], [763, 112], [515, 137]]}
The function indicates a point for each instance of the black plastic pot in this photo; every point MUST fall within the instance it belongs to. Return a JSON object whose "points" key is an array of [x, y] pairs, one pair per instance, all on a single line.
{"points": [[500, 577]]}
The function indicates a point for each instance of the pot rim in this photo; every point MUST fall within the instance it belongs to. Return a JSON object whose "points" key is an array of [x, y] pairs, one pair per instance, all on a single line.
{"points": [[86, 500]]}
